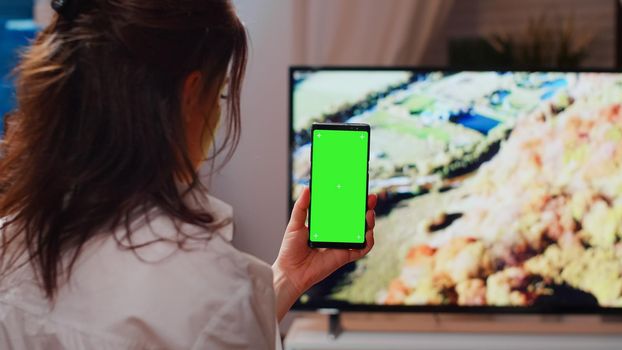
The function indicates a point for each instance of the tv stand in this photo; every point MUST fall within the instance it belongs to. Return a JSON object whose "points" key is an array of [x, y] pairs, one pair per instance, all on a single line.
{"points": [[611, 319], [332, 330], [334, 322]]}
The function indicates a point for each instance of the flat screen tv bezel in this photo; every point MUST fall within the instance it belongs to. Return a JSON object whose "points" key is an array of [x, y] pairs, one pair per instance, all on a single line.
{"points": [[313, 305]]}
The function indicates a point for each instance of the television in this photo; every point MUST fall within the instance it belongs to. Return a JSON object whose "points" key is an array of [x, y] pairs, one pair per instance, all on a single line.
{"points": [[498, 191]]}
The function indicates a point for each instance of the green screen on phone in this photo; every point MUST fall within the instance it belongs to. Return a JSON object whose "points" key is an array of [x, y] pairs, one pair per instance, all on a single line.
{"points": [[338, 186]]}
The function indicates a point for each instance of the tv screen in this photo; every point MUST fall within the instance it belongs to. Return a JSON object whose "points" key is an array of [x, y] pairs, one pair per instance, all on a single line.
{"points": [[497, 190]]}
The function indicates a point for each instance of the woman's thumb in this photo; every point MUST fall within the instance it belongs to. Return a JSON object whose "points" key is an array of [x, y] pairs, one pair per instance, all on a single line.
{"points": [[299, 213]]}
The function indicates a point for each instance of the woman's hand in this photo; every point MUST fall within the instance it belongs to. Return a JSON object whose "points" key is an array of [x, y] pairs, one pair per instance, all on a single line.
{"points": [[298, 267]]}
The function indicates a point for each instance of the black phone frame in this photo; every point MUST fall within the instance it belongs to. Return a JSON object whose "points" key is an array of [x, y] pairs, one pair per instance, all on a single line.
{"points": [[342, 127]]}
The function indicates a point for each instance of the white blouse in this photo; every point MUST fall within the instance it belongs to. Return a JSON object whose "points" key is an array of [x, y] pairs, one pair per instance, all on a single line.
{"points": [[208, 296]]}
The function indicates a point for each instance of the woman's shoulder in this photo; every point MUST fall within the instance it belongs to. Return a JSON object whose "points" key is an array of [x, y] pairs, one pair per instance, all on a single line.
{"points": [[166, 288], [219, 246], [206, 250], [204, 256], [207, 292], [203, 292]]}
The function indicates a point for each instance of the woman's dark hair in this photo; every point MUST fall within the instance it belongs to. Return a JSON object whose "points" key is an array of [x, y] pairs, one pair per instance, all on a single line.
{"points": [[98, 135]]}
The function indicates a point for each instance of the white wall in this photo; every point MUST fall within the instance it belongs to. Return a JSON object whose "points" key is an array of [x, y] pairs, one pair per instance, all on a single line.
{"points": [[255, 181]]}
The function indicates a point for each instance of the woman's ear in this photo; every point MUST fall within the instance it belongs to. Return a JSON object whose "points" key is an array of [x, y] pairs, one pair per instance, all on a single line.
{"points": [[191, 94]]}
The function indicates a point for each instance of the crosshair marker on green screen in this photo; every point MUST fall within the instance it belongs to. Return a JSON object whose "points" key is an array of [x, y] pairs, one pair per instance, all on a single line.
{"points": [[338, 186]]}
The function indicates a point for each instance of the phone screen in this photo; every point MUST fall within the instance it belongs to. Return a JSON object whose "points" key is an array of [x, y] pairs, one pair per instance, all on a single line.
{"points": [[338, 186]]}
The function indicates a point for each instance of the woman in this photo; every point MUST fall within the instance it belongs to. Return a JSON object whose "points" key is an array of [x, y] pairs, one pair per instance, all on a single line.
{"points": [[109, 241]]}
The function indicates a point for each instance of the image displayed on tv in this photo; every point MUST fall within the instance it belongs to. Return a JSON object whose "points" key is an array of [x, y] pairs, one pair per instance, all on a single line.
{"points": [[496, 189]]}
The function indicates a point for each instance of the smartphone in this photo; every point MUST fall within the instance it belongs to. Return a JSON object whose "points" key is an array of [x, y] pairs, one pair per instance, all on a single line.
{"points": [[338, 184]]}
